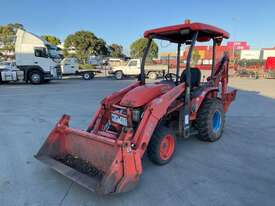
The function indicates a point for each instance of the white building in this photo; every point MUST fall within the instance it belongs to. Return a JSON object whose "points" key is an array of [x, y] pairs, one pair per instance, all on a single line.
{"points": [[267, 53], [250, 54]]}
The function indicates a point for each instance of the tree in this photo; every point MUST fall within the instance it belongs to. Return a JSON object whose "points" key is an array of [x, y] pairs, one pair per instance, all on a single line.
{"points": [[101, 47], [16, 26], [251, 62], [116, 51], [85, 44], [137, 49], [7, 36], [195, 57], [52, 39]]}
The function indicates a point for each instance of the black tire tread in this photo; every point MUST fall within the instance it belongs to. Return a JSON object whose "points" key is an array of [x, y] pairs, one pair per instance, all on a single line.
{"points": [[37, 72], [204, 116], [90, 75], [153, 147]]}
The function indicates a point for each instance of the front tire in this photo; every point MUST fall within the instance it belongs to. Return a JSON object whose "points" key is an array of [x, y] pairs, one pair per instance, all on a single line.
{"points": [[210, 120], [162, 146], [119, 75], [152, 75], [36, 77]]}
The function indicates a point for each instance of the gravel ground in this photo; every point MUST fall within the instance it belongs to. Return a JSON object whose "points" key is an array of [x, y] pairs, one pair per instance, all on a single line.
{"points": [[238, 170]]}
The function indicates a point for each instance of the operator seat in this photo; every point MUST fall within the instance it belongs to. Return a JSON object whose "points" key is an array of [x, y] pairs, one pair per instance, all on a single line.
{"points": [[195, 76], [195, 89]]}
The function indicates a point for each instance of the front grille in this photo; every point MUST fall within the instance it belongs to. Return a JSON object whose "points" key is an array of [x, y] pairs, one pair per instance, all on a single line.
{"points": [[58, 70]]}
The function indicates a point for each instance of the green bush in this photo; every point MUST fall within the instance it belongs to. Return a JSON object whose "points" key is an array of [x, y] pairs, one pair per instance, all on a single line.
{"points": [[251, 62], [86, 67]]}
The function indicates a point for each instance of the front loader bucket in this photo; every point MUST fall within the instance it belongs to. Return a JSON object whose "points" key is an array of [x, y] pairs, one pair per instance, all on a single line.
{"points": [[100, 164]]}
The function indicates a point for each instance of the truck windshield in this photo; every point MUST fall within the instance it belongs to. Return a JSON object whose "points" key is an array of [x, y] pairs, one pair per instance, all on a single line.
{"points": [[53, 52]]}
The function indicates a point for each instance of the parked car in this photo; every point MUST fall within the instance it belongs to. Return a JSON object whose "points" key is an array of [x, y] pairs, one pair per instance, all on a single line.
{"points": [[71, 67], [133, 69]]}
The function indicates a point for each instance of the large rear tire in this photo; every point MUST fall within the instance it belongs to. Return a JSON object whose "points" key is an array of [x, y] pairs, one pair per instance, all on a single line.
{"points": [[210, 120], [162, 146]]}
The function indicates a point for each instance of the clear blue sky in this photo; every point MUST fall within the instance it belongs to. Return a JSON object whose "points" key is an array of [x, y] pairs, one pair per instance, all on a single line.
{"points": [[121, 21]]}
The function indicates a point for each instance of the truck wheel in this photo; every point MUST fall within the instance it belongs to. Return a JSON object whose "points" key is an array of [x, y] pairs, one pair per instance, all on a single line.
{"points": [[36, 77], [162, 146], [88, 75], [152, 75], [47, 80], [119, 75], [210, 120]]}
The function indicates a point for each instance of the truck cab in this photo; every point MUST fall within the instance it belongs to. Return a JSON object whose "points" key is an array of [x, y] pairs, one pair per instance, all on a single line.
{"points": [[36, 57], [133, 67], [69, 66]]}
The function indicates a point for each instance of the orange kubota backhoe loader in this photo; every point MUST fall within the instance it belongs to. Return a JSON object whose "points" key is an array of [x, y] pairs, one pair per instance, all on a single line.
{"points": [[107, 157]]}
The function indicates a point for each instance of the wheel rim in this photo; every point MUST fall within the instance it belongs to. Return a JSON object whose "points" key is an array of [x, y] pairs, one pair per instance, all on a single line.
{"points": [[152, 76], [216, 122], [35, 77], [86, 76], [119, 75], [167, 146]]}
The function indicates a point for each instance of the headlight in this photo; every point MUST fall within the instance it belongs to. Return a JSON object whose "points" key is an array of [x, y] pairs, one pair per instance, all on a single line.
{"points": [[136, 115]]}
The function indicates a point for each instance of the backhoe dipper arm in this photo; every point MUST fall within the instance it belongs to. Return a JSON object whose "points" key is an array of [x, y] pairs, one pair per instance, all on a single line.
{"points": [[221, 76]]}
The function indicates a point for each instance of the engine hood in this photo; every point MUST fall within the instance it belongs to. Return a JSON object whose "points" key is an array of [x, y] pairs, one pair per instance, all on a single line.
{"points": [[141, 95]]}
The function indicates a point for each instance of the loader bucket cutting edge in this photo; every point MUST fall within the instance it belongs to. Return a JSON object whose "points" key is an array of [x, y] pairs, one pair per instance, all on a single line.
{"points": [[92, 161]]}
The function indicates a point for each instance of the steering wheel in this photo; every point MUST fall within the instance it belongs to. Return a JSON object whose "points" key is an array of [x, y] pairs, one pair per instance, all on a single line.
{"points": [[171, 77]]}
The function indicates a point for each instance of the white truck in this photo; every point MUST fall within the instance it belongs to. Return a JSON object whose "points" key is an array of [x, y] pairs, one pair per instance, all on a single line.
{"points": [[37, 58], [70, 67], [133, 69]]}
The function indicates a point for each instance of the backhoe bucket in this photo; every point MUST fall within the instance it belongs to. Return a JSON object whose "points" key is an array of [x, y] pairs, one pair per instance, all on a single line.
{"points": [[100, 164]]}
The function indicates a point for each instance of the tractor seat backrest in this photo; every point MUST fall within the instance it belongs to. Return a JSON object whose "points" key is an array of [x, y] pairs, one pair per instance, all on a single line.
{"points": [[195, 76]]}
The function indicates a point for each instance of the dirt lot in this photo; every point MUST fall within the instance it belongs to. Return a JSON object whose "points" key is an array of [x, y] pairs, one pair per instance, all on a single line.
{"points": [[238, 170]]}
